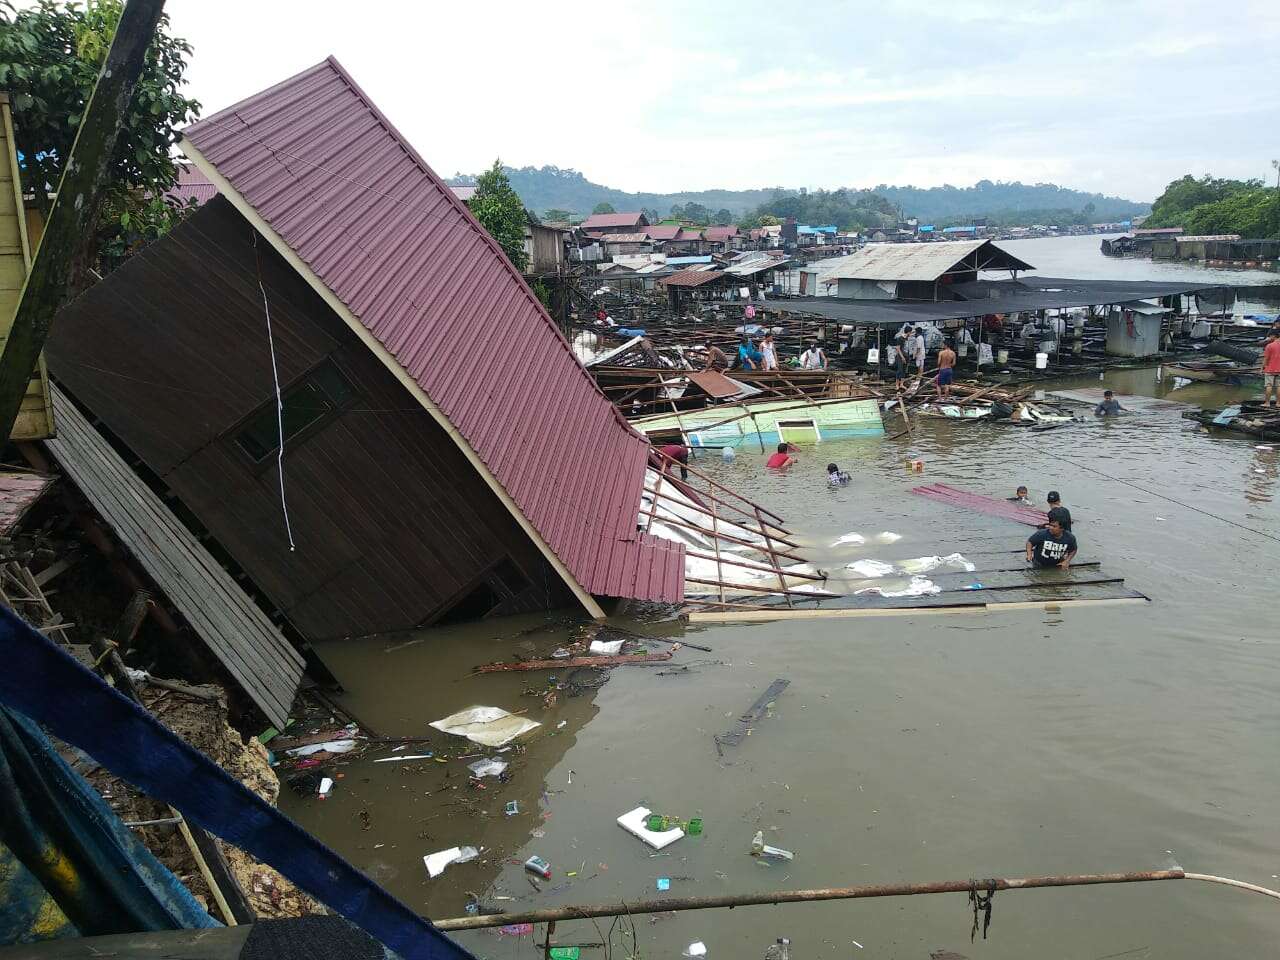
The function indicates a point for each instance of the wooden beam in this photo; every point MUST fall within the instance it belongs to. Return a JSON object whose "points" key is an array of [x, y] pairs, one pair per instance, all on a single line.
{"points": [[75, 211]]}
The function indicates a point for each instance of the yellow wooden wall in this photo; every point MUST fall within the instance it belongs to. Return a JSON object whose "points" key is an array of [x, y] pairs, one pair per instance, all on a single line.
{"points": [[35, 419]]}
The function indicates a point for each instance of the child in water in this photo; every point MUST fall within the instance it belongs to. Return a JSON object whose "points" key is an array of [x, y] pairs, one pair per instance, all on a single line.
{"points": [[836, 477]]}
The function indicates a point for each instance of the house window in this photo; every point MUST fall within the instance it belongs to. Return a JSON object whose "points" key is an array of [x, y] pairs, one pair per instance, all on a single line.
{"points": [[318, 395]]}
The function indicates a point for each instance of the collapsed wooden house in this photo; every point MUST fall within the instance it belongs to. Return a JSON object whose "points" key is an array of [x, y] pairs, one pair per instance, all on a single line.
{"points": [[445, 456]]}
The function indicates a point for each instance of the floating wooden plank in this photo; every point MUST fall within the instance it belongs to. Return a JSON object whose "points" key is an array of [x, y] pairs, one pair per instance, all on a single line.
{"points": [[1007, 509], [607, 661], [839, 613], [234, 628], [735, 736]]}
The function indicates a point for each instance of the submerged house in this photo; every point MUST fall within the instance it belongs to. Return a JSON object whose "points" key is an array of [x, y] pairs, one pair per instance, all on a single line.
{"points": [[445, 454], [892, 271]]}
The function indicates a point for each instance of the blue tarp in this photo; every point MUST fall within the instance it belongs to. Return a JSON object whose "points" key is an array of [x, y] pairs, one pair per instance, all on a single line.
{"points": [[52, 688], [71, 866]]}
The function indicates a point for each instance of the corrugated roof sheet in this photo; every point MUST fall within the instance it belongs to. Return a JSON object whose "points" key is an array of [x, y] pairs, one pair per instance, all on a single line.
{"points": [[463, 191], [916, 261], [720, 233], [664, 231], [191, 185], [624, 238], [692, 278], [600, 221], [330, 174]]}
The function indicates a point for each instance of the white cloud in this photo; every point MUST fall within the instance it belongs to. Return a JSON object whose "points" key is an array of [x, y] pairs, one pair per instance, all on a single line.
{"points": [[665, 96]]}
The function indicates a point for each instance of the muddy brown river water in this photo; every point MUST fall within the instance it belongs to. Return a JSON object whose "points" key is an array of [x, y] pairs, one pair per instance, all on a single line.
{"points": [[905, 749]]}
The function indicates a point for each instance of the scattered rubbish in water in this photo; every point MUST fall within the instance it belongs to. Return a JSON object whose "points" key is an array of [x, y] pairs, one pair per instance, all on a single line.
{"points": [[761, 849], [487, 767], [779, 950], [635, 822], [562, 724], [326, 784], [536, 864], [695, 949], [406, 758], [606, 646], [513, 807], [436, 862], [516, 930], [487, 726], [664, 883], [567, 953], [561, 653]]}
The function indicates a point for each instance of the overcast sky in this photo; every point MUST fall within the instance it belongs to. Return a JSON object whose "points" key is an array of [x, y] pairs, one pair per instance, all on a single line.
{"points": [[1110, 96]]}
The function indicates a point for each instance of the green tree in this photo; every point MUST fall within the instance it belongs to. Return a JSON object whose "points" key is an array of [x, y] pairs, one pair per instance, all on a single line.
{"points": [[723, 216], [499, 210], [603, 207], [769, 220], [50, 55], [556, 214]]}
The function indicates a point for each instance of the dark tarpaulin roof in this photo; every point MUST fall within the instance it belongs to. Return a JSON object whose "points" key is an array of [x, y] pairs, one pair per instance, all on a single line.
{"points": [[1008, 296]]}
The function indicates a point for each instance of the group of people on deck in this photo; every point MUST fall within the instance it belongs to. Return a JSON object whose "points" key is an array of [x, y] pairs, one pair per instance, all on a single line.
{"points": [[1053, 545], [762, 354]]}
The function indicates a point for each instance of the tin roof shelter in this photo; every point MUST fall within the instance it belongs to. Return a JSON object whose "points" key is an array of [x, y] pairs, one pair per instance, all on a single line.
{"points": [[915, 271]]}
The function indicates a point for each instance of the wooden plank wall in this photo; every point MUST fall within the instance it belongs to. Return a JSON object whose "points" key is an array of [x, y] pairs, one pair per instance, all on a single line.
{"points": [[391, 522], [35, 416], [232, 626]]}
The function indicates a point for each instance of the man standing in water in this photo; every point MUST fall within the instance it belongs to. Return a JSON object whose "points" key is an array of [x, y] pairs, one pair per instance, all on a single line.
{"points": [[1271, 370], [946, 369], [1052, 547], [1109, 407]]}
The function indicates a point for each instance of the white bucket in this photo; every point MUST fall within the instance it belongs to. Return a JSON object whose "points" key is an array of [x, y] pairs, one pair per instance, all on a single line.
{"points": [[1002, 357], [1042, 361], [873, 355]]}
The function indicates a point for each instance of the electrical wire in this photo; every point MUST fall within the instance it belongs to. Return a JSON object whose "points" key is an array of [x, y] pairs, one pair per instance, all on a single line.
{"points": [[275, 376]]}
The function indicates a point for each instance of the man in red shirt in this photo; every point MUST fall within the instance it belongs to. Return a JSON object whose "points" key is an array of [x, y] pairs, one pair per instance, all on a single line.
{"points": [[782, 458], [1271, 370], [677, 452]]}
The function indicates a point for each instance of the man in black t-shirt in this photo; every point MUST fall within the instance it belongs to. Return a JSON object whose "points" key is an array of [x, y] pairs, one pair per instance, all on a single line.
{"points": [[1053, 547]]}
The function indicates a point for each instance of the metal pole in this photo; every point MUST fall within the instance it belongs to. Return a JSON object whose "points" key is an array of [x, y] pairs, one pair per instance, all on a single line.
{"points": [[866, 891]]}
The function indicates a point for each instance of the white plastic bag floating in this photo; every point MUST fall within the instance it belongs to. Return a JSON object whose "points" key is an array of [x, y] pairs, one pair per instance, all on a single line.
{"points": [[436, 862], [849, 538], [918, 587], [488, 767], [927, 564], [488, 726], [606, 646], [871, 568], [887, 537], [329, 746]]}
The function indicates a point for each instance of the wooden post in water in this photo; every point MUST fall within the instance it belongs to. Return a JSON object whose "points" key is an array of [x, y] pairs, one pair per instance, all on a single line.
{"points": [[79, 199]]}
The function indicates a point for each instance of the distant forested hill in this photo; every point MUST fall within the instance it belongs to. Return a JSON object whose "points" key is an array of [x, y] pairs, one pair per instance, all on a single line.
{"points": [[988, 199], [567, 190]]}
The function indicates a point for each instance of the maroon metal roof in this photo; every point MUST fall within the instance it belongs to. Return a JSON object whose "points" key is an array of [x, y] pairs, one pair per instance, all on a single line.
{"points": [[328, 172], [601, 221], [664, 231], [191, 185], [720, 233]]}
